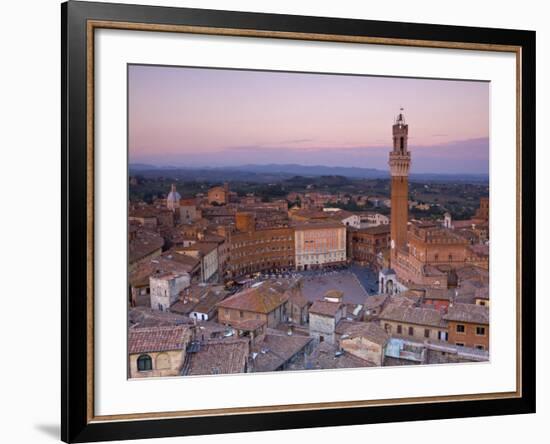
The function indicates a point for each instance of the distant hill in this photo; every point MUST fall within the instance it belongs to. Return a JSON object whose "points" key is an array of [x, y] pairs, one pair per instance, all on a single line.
{"points": [[275, 172]]}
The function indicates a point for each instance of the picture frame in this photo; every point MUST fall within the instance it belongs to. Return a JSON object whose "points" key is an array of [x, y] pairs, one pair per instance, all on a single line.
{"points": [[80, 21]]}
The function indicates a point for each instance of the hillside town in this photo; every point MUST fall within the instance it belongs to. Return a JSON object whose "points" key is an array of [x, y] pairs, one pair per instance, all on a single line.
{"points": [[222, 283]]}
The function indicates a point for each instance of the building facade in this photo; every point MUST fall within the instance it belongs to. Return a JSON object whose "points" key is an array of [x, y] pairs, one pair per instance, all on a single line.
{"points": [[319, 244], [165, 289], [367, 243], [469, 325], [260, 250], [157, 351], [219, 195]]}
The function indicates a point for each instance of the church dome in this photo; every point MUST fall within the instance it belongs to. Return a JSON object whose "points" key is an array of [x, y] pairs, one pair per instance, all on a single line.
{"points": [[173, 196]]}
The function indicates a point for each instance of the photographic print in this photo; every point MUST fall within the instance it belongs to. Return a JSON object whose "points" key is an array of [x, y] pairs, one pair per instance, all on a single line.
{"points": [[292, 221]]}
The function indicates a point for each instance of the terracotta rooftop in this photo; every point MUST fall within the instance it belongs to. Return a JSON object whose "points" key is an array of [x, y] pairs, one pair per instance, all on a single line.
{"points": [[208, 301], [469, 313], [297, 298], [144, 244], [202, 247], [223, 356], [375, 301], [472, 272], [189, 261], [276, 349], [262, 298], [369, 330], [328, 356], [147, 317], [139, 276], [440, 294], [247, 324], [325, 308], [156, 339], [412, 315], [378, 229]]}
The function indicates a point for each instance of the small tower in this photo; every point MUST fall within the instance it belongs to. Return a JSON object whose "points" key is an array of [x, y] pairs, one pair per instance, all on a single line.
{"points": [[173, 199], [400, 162]]}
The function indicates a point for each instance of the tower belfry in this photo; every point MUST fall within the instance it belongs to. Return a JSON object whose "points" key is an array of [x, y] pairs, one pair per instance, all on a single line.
{"points": [[400, 162]]}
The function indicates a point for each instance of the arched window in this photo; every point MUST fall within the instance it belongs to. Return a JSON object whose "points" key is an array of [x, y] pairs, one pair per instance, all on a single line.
{"points": [[144, 363]]}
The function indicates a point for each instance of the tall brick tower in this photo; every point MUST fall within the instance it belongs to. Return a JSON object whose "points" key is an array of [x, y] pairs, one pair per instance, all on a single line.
{"points": [[400, 162]]}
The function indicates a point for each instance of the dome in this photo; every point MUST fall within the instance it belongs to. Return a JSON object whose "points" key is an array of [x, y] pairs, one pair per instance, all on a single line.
{"points": [[173, 196]]}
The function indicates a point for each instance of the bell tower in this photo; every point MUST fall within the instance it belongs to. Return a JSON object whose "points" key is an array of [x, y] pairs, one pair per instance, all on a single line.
{"points": [[400, 162]]}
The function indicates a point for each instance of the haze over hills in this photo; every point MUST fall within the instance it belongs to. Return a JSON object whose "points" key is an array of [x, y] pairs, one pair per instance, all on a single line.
{"points": [[273, 172]]}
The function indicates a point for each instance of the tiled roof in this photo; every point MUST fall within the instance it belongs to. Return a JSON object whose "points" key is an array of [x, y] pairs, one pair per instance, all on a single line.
{"points": [[375, 301], [147, 317], [144, 244], [325, 308], [470, 313], [377, 229], [189, 261], [156, 339], [328, 356], [472, 272], [298, 298], [222, 356], [247, 324], [369, 330], [263, 298], [440, 294], [412, 315], [276, 349], [202, 247], [139, 276], [209, 301]]}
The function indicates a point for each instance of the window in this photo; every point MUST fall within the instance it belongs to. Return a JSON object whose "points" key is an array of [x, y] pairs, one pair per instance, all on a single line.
{"points": [[426, 333], [399, 329], [411, 331], [460, 328], [480, 331], [144, 363], [241, 314], [460, 344]]}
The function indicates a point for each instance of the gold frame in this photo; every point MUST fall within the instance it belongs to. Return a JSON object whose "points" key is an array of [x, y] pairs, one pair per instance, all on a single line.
{"points": [[92, 25]]}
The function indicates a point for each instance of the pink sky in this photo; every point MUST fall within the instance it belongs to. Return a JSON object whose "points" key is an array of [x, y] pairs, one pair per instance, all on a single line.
{"points": [[215, 117]]}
